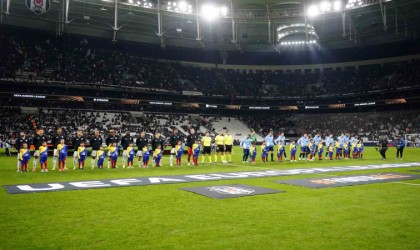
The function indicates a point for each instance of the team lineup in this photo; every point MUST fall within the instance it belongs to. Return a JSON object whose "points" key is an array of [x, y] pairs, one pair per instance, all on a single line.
{"points": [[108, 150]]}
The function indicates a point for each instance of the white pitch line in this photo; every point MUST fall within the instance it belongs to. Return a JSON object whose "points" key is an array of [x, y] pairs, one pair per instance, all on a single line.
{"points": [[406, 183], [250, 165], [328, 174]]}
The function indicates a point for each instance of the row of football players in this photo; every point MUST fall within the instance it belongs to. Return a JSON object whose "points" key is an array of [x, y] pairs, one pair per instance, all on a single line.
{"points": [[309, 149]]}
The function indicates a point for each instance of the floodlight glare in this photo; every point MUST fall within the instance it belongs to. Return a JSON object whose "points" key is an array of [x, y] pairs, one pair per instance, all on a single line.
{"points": [[224, 10], [182, 6], [337, 5], [312, 11], [209, 12], [325, 6]]}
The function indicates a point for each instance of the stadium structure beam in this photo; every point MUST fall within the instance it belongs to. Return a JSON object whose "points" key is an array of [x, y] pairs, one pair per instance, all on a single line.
{"points": [[343, 22], [66, 18], [197, 17], [7, 7], [383, 13], [396, 21], [1, 12], [159, 16], [115, 28], [268, 23], [234, 40], [306, 21]]}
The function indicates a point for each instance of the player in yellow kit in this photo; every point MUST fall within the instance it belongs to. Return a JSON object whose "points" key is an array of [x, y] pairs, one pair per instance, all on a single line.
{"points": [[206, 141], [220, 146], [228, 146]]}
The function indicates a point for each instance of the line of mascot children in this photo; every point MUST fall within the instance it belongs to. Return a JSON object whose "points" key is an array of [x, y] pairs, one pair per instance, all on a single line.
{"points": [[143, 158], [307, 153]]}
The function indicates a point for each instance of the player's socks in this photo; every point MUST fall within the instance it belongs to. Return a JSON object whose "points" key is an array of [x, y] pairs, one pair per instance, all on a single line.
{"points": [[171, 160], [54, 163], [34, 164], [109, 161], [272, 156], [230, 158], [92, 163], [215, 158], [210, 159], [202, 159]]}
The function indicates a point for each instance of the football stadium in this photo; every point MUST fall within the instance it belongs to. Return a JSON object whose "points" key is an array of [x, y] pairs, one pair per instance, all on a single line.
{"points": [[210, 124]]}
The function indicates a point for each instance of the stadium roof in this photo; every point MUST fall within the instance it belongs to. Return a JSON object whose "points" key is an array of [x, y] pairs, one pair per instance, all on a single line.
{"points": [[249, 25]]}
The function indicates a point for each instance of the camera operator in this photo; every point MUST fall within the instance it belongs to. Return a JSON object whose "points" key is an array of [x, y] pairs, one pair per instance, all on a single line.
{"points": [[399, 144], [383, 143]]}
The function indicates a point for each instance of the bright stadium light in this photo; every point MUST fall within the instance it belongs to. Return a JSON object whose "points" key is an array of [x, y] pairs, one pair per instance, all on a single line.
{"points": [[312, 11], [180, 6], [297, 42], [325, 6], [211, 12], [183, 6], [337, 5], [224, 11]]}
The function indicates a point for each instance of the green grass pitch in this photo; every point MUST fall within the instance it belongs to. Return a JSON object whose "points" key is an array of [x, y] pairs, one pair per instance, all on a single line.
{"points": [[374, 216]]}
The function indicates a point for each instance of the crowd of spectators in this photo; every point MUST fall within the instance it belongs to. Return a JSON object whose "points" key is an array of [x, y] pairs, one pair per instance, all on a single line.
{"points": [[369, 126], [49, 59]]}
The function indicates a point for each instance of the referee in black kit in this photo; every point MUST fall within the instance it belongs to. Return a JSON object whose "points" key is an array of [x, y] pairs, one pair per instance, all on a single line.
{"points": [[383, 143]]}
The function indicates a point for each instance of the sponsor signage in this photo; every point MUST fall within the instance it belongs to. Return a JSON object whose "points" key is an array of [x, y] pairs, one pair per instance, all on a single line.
{"points": [[142, 181], [100, 100], [259, 107], [364, 104], [190, 105], [29, 96], [230, 191], [288, 108], [38, 6], [396, 101], [186, 92], [337, 106], [350, 180], [233, 106], [161, 103]]}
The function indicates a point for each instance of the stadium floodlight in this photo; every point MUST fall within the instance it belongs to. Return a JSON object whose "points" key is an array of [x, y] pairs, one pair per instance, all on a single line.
{"points": [[337, 5], [130, 1], [183, 6], [211, 12], [312, 11], [224, 11], [325, 6]]}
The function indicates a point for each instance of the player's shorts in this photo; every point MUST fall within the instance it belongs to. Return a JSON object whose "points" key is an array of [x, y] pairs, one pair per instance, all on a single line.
{"points": [[228, 148], [75, 154], [270, 148], [36, 153], [55, 154], [206, 150], [220, 148], [139, 153], [93, 153], [172, 151]]}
